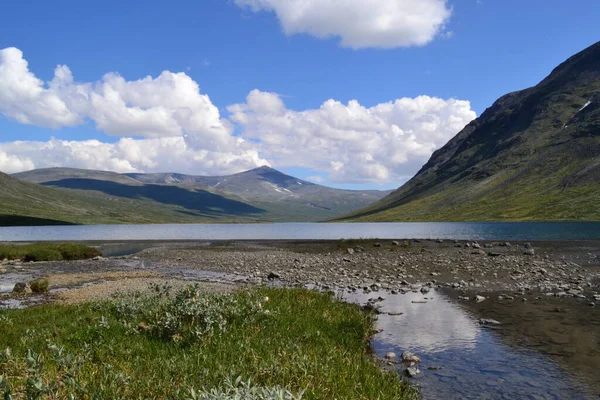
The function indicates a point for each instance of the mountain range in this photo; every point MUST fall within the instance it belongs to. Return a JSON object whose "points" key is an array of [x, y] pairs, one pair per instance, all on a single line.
{"points": [[533, 155], [87, 196]]}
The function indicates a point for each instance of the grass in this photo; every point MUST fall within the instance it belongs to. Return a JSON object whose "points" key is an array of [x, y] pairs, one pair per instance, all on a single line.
{"points": [[48, 252], [267, 343]]}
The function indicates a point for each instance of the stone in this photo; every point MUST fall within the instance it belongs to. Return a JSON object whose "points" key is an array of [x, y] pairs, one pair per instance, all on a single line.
{"points": [[390, 355], [350, 251], [479, 298], [273, 275], [529, 252], [425, 289], [409, 357], [412, 372], [376, 244], [476, 246], [22, 288], [395, 243], [488, 321]]}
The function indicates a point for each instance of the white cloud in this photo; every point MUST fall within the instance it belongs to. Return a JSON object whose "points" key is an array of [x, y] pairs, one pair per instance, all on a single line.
{"points": [[170, 154], [182, 131], [169, 105], [360, 23], [352, 143]]}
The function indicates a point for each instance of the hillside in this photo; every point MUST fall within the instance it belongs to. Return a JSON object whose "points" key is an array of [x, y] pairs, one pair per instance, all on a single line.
{"points": [[533, 155], [260, 195], [23, 203]]}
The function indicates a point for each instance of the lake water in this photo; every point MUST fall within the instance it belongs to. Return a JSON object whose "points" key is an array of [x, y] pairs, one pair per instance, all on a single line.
{"points": [[307, 231]]}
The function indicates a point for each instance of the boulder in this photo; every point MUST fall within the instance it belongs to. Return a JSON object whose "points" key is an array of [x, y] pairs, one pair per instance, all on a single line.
{"points": [[22, 288]]}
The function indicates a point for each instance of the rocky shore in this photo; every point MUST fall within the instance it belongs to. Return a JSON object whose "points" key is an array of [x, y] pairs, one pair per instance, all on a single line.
{"points": [[516, 271], [476, 271]]}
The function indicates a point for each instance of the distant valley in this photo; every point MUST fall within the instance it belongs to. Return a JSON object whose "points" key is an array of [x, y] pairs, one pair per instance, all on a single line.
{"points": [[67, 195]]}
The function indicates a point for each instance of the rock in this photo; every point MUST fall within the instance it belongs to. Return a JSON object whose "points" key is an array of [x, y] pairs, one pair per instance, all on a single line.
{"points": [[412, 372], [359, 249], [395, 243], [390, 355], [350, 251], [395, 313], [479, 299], [272, 276], [372, 308], [488, 321], [434, 368], [22, 288], [494, 254], [409, 357], [425, 289], [478, 251], [528, 245], [98, 258], [476, 246], [529, 252], [376, 244]]}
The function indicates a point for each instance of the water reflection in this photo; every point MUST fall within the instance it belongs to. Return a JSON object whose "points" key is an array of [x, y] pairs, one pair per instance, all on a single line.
{"points": [[470, 360], [421, 323]]}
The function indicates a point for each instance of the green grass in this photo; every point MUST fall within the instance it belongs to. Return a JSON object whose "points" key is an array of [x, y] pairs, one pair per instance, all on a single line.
{"points": [[163, 347], [48, 252]]}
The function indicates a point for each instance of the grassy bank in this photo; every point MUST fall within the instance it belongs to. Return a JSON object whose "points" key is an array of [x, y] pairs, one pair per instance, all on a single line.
{"points": [[268, 343], [48, 252]]}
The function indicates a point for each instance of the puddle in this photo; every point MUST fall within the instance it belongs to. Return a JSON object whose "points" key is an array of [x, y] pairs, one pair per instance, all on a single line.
{"points": [[9, 279], [20, 303], [473, 360]]}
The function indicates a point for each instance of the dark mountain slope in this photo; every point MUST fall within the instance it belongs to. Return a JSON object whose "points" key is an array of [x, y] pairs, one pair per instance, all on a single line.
{"points": [[533, 155], [23, 203], [261, 194]]}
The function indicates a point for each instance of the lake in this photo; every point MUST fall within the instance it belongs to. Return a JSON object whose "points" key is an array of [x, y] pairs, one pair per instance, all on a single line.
{"points": [[311, 231]]}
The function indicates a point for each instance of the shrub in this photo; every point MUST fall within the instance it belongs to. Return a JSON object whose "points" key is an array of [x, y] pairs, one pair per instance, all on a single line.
{"points": [[42, 254], [40, 285], [48, 252]]}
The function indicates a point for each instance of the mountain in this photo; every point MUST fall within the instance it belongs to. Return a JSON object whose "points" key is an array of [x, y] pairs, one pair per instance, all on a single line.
{"points": [[533, 155], [23, 203], [259, 195]]}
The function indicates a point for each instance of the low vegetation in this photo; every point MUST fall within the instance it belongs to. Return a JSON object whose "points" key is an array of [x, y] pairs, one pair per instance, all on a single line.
{"points": [[48, 252], [259, 344]]}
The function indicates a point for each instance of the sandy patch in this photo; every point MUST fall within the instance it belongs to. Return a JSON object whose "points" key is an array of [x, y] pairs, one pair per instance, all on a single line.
{"points": [[109, 289], [70, 280]]}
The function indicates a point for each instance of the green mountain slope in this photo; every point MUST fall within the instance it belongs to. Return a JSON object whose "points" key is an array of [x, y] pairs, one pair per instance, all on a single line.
{"points": [[533, 155], [23, 203], [259, 195]]}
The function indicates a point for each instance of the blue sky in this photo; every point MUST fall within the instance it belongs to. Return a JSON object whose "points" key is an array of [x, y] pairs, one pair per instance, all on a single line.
{"points": [[278, 82]]}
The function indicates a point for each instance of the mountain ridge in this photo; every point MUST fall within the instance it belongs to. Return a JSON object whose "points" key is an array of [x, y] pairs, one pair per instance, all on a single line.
{"points": [[532, 155], [262, 194]]}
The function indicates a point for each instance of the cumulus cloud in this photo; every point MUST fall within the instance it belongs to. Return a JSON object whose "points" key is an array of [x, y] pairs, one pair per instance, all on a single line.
{"points": [[167, 124], [352, 143], [127, 155], [168, 105], [360, 23]]}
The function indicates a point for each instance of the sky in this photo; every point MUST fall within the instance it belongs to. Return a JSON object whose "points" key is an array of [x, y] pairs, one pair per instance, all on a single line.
{"points": [[348, 93]]}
